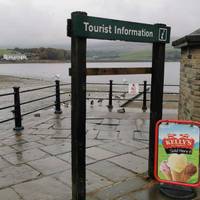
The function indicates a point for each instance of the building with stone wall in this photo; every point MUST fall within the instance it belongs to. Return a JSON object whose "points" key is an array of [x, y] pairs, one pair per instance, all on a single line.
{"points": [[189, 99]]}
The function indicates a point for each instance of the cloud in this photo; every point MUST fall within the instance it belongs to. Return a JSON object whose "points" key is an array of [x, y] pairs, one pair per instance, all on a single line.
{"points": [[43, 22]]}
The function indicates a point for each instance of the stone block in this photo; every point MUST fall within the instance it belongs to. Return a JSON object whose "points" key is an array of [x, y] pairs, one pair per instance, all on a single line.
{"points": [[43, 189], [25, 156], [110, 171], [14, 175], [131, 162], [9, 194], [49, 165]]}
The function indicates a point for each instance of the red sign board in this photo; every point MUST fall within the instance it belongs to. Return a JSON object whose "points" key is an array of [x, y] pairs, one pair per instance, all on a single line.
{"points": [[177, 152]]}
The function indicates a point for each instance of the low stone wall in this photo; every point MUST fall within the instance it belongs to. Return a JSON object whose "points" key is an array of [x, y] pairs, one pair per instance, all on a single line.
{"points": [[189, 100]]}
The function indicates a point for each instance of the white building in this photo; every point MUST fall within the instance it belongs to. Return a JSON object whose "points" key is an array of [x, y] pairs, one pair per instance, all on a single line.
{"points": [[14, 57]]}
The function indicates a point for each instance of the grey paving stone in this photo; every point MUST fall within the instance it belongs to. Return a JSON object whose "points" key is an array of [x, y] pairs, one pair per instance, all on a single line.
{"points": [[117, 147], [92, 134], [149, 194], [98, 153], [110, 171], [4, 164], [93, 121], [57, 148], [110, 122], [131, 162], [94, 142], [67, 157], [63, 124], [126, 128], [9, 194], [121, 188], [26, 146], [64, 177], [43, 189], [136, 144], [61, 134], [33, 138], [13, 175], [13, 140], [6, 150], [49, 165], [43, 126], [144, 153], [24, 156], [106, 127], [107, 135], [51, 141], [93, 181], [126, 197], [139, 135]]}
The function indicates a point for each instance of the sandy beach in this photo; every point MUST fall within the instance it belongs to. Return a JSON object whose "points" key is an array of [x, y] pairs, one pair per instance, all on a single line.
{"points": [[8, 82]]}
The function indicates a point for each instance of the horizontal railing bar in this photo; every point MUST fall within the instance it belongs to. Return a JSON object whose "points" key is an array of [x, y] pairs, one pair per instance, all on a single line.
{"points": [[173, 93], [64, 84], [37, 110], [6, 120], [95, 98], [6, 94], [106, 91], [6, 107], [34, 100], [35, 89], [65, 92], [65, 101]]}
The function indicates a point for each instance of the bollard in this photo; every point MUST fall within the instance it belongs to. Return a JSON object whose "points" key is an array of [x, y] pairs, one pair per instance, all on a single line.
{"points": [[57, 102], [144, 105], [17, 110], [110, 106]]}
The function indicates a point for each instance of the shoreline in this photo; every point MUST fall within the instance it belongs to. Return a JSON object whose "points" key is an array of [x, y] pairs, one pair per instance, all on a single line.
{"points": [[68, 61], [7, 82]]}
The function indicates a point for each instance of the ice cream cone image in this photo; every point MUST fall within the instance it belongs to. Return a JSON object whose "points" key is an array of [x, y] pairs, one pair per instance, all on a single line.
{"points": [[188, 172], [164, 168], [176, 176], [177, 164]]}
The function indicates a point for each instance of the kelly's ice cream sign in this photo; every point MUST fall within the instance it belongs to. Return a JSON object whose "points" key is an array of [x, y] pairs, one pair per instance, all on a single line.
{"points": [[177, 152]]}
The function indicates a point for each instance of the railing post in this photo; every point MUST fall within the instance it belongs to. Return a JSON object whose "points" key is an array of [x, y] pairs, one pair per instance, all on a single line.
{"points": [[110, 106], [144, 105], [17, 110], [57, 102]]}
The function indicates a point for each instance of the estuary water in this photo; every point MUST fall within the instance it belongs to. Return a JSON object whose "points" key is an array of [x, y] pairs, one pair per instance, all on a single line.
{"points": [[52, 70]]}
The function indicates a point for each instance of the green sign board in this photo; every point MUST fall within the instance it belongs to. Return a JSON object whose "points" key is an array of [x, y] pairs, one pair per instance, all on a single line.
{"points": [[109, 29]]}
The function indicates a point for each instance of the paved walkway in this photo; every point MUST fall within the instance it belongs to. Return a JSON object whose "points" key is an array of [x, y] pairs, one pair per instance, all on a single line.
{"points": [[37, 164]]}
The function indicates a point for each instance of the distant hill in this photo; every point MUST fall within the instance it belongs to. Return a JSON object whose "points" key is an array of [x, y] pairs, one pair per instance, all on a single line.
{"points": [[99, 51], [127, 52]]}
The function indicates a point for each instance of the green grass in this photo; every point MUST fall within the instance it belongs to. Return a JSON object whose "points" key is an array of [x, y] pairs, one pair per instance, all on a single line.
{"points": [[5, 51], [194, 158], [139, 55]]}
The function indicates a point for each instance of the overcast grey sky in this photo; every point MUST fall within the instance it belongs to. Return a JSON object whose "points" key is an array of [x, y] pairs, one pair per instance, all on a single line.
{"points": [[28, 23]]}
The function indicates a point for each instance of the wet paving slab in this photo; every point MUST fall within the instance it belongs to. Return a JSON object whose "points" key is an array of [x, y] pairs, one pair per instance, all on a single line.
{"points": [[37, 164]]}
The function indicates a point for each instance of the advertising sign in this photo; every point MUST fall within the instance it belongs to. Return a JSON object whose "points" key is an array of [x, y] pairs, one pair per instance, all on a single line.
{"points": [[110, 29], [177, 152]]}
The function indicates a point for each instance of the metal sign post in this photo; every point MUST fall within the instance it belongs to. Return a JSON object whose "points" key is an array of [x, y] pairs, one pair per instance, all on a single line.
{"points": [[78, 127], [80, 27]]}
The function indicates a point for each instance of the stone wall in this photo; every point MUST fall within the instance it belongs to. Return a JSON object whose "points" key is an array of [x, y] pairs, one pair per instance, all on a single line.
{"points": [[189, 100]]}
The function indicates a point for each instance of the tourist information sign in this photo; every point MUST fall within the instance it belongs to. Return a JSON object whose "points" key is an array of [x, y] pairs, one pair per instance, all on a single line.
{"points": [[177, 152], [109, 29], [82, 27]]}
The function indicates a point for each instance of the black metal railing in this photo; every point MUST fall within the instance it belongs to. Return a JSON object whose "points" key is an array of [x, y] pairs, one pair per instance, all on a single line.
{"points": [[17, 106]]}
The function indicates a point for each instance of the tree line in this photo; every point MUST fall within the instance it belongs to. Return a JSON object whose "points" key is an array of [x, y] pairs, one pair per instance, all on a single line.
{"points": [[44, 53]]}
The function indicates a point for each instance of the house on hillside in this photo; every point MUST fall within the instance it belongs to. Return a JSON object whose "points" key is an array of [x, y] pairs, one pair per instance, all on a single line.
{"points": [[14, 57]]}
